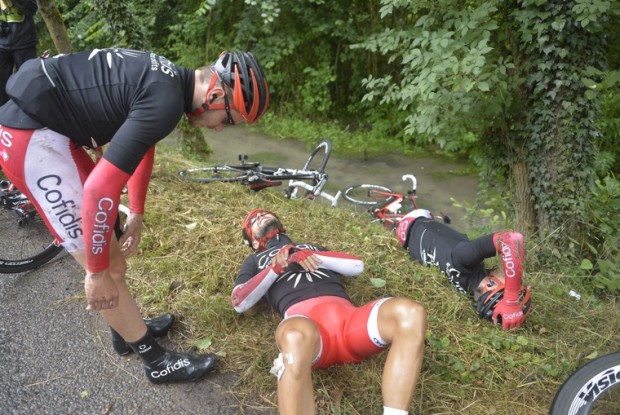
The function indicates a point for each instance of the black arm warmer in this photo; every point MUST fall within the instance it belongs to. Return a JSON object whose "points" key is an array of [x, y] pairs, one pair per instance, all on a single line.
{"points": [[471, 253]]}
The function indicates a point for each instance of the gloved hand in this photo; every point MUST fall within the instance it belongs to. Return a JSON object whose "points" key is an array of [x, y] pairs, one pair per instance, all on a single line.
{"points": [[306, 259], [510, 312], [281, 260]]}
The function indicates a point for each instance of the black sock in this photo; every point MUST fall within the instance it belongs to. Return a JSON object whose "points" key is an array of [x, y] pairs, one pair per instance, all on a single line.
{"points": [[148, 349]]}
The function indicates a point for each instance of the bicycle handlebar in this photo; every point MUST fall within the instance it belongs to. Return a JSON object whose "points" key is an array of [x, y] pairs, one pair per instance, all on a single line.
{"points": [[414, 181]]}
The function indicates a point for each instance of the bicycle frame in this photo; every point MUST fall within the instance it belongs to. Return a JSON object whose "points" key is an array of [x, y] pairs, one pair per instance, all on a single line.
{"points": [[385, 205], [307, 182], [317, 190], [390, 213]]}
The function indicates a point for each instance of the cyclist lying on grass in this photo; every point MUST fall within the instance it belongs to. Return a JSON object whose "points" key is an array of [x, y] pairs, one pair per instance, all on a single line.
{"points": [[499, 297], [129, 100], [321, 326]]}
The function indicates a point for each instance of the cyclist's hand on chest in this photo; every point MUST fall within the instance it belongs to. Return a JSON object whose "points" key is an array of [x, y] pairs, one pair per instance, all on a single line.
{"points": [[306, 259], [101, 291], [131, 234]]}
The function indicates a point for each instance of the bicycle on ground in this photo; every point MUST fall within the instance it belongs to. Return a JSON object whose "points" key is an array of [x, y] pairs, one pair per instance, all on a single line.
{"points": [[26, 241], [308, 182], [385, 205], [592, 389]]}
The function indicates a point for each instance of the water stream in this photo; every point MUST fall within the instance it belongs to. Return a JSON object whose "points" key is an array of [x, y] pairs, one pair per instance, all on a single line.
{"points": [[436, 186]]}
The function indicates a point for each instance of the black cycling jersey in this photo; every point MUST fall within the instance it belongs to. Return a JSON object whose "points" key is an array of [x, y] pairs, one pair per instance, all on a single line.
{"points": [[294, 285], [130, 99], [435, 244]]}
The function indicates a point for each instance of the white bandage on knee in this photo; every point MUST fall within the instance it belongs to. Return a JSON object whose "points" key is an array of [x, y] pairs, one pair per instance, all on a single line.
{"points": [[393, 411], [278, 364]]}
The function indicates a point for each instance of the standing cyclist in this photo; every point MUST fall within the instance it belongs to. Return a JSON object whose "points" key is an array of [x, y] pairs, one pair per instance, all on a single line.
{"points": [[18, 38], [321, 326], [129, 100], [499, 296]]}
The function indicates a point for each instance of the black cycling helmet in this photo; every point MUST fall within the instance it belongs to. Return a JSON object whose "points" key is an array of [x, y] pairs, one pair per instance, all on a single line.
{"points": [[248, 236], [241, 72], [488, 301]]}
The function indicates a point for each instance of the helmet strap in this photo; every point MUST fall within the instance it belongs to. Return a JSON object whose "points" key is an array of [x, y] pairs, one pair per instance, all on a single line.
{"points": [[262, 242], [213, 91]]}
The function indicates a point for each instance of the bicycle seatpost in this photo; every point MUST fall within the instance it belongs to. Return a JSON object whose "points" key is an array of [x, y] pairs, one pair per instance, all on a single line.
{"points": [[414, 182]]}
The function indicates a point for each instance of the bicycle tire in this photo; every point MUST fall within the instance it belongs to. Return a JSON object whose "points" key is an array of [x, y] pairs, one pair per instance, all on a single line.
{"points": [[26, 244], [595, 383], [219, 173], [359, 194], [324, 148]]}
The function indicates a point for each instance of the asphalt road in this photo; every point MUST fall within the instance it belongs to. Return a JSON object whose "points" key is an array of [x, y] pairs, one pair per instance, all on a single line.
{"points": [[56, 358]]}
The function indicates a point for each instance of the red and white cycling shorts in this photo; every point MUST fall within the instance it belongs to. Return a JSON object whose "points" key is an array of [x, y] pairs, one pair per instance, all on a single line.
{"points": [[349, 334], [50, 170]]}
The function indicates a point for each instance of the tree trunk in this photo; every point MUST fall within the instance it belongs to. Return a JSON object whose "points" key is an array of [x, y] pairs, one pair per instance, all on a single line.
{"points": [[524, 220], [55, 25]]}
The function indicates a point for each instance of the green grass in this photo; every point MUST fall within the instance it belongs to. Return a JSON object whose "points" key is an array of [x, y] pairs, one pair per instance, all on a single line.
{"points": [[192, 249]]}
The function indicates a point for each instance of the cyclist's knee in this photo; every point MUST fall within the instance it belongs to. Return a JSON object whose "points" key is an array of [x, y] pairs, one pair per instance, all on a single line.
{"points": [[299, 336], [406, 316]]}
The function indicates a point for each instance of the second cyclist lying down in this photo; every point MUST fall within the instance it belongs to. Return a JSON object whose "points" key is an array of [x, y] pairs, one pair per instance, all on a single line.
{"points": [[321, 327]]}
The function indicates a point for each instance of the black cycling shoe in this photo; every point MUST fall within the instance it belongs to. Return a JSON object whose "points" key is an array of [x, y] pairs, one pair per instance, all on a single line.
{"points": [[179, 367], [157, 326]]}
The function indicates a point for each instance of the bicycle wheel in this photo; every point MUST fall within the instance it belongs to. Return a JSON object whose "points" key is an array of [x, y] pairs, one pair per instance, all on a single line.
{"points": [[219, 173], [319, 157], [25, 241], [368, 194], [317, 161], [592, 389]]}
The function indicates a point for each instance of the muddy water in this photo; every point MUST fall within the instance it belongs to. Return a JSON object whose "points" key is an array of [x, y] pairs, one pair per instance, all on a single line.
{"points": [[435, 187]]}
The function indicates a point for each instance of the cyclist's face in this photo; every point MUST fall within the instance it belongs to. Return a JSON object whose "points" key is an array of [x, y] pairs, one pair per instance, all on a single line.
{"points": [[262, 223], [216, 119]]}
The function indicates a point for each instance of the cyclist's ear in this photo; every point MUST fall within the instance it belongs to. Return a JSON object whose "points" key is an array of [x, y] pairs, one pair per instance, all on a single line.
{"points": [[255, 245], [215, 93]]}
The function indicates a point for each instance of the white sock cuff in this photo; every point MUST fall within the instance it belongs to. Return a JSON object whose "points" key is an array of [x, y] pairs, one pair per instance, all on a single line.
{"points": [[393, 411]]}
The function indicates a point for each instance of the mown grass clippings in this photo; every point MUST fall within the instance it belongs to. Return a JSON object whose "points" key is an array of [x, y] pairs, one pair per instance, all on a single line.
{"points": [[192, 249]]}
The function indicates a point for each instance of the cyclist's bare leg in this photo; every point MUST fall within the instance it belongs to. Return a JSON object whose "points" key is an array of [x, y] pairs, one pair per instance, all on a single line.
{"points": [[299, 343], [401, 322], [125, 318]]}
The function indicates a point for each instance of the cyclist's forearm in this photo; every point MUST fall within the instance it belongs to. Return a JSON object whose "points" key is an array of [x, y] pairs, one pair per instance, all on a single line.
{"points": [[472, 253], [245, 296], [100, 208], [138, 184], [344, 264], [512, 250]]}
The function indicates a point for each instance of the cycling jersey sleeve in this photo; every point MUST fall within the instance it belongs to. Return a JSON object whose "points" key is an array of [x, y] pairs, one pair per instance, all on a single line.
{"points": [[344, 264], [139, 182], [102, 192], [247, 294], [470, 254], [511, 248], [150, 120]]}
